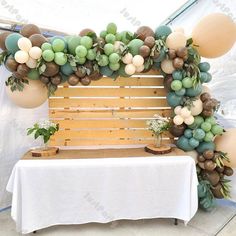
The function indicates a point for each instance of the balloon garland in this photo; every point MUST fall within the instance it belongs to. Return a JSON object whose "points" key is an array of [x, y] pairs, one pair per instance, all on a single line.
{"points": [[40, 64]]}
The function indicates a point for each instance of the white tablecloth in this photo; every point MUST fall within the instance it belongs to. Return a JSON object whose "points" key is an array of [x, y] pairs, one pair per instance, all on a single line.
{"points": [[52, 192]]}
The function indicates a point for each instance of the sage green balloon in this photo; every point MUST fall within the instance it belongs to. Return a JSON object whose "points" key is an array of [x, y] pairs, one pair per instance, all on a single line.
{"points": [[73, 42], [11, 42], [33, 74], [134, 46]]}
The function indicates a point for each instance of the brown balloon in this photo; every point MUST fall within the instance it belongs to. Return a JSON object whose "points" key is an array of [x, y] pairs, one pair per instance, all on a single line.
{"points": [[177, 130], [81, 71], [228, 171], [85, 32], [37, 40], [44, 79], [182, 52], [217, 191], [56, 80], [208, 154], [73, 80], [149, 41], [209, 165], [171, 54], [11, 64], [51, 69], [23, 70], [205, 96], [144, 51], [178, 63], [29, 29], [207, 113], [85, 81], [143, 32], [212, 176], [2, 40]]}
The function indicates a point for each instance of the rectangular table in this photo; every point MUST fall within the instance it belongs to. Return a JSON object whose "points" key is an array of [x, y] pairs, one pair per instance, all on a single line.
{"points": [[77, 191]]}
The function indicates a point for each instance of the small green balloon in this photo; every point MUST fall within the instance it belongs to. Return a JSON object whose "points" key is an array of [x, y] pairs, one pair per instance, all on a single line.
{"points": [[73, 43], [134, 46]]}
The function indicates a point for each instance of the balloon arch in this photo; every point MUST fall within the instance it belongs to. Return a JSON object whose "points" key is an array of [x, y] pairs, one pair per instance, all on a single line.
{"points": [[40, 64]]}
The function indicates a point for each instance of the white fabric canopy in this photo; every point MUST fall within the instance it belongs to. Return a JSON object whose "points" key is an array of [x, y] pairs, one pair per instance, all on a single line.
{"points": [[52, 192]]}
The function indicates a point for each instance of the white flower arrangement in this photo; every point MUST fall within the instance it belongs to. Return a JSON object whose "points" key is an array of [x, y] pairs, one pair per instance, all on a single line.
{"points": [[159, 124]]}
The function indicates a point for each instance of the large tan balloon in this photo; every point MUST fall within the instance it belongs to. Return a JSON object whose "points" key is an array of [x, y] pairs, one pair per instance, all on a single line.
{"points": [[167, 66], [215, 35], [226, 143], [34, 94]]}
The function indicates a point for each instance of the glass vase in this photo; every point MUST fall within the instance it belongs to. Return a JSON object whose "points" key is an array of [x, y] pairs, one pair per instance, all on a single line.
{"points": [[43, 145], [158, 140]]}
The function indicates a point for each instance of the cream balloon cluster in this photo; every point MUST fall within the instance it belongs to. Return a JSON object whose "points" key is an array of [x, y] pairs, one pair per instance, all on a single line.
{"points": [[183, 115], [133, 63], [27, 54]]}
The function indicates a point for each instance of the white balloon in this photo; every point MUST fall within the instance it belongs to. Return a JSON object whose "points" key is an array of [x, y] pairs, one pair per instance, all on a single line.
{"points": [[31, 63], [140, 68], [177, 110], [185, 112], [138, 60], [127, 58], [196, 107], [21, 56], [130, 69], [189, 120], [24, 44], [117, 45], [178, 120], [35, 52]]}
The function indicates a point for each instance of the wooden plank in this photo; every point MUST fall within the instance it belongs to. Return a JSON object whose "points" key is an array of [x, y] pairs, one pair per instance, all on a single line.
{"points": [[110, 92], [97, 142], [106, 103], [101, 134], [127, 81], [108, 113], [115, 123]]}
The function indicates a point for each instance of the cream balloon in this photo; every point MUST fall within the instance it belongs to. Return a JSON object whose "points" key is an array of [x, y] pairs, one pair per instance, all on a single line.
{"points": [[34, 94], [127, 58], [196, 107], [167, 66], [35, 52], [176, 40], [206, 89], [31, 63], [117, 45], [24, 44], [177, 110], [215, 35], [130, 69], [140, 68], [226, 143], [137, 60], [21, 56], [189, 120], [185, 112], [178, 120]]}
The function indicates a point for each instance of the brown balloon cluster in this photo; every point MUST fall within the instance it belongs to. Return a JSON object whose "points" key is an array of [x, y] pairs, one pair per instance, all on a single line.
{"points": [[147, 35], [209, 104], [178, 56], [214, 170]]}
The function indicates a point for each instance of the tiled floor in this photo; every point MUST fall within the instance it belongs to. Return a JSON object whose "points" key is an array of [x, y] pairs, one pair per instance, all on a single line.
{"points": [[221, 222]]}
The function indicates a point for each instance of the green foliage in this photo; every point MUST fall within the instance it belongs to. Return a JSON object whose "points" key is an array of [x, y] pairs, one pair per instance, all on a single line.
{"points": [[16, 84]]}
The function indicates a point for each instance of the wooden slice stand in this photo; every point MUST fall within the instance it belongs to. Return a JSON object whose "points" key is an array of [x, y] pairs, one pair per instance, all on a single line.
{"points": [[40, 152], [163, 149]]}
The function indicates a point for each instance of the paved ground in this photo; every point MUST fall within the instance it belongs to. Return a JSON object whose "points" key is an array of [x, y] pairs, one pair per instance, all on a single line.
{"points": [[221, 222]]}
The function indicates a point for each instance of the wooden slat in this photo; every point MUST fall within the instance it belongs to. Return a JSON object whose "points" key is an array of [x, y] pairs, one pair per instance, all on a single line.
{"points": [[108, 113], [99, 134], [80, 102], [123, 81], [115, 123], [96, 142], [110, 92]]}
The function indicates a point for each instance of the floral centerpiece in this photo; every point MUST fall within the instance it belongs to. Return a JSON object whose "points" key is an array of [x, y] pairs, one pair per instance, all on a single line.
{"points": [[44, 129], [158, 126]]}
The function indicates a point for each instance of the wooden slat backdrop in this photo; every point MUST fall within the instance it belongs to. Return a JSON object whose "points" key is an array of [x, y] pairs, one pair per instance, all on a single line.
{"points": [[109, 112]]}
